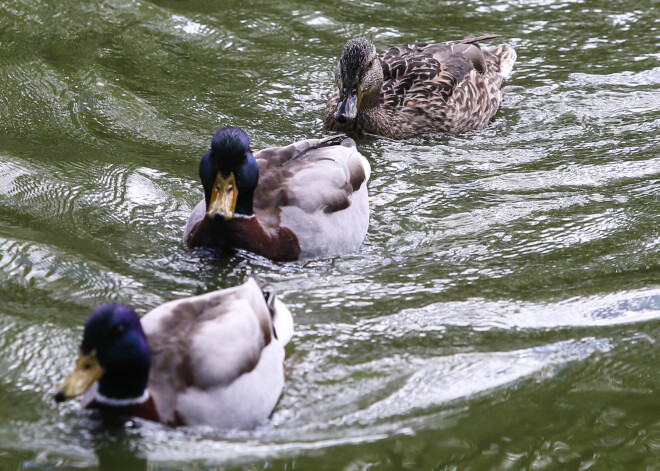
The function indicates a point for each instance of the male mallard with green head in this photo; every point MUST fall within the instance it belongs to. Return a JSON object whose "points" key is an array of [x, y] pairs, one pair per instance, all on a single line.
{"points": [[416, 89], [214, 359], [307, 199]]}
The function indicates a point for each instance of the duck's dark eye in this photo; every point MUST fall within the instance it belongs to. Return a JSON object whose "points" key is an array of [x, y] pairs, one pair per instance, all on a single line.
{"points": [[120, 330], [371, 63]]}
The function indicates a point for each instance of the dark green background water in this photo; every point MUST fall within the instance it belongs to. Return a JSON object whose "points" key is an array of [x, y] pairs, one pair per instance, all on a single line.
{"points": [[503, 313]]}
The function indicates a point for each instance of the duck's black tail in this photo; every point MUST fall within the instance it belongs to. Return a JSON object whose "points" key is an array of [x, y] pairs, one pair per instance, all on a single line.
{"points": [[471, 38]]}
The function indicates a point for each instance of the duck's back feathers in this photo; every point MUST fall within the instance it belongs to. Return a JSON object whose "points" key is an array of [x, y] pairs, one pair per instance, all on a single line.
{"points": [[430, 69], [319, 191], [456, 84], [216, 358]]}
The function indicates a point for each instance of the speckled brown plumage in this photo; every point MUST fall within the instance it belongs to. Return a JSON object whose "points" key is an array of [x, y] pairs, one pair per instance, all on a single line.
{"points": [[451, 87]]}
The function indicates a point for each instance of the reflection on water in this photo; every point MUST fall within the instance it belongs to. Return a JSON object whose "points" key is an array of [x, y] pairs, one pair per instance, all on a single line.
{"points": [[502, 314]]}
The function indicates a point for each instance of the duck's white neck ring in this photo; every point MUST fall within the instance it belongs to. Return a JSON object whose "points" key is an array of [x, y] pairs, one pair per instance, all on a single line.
{"points": [[238, 216], [244, 216], [130, 401]]}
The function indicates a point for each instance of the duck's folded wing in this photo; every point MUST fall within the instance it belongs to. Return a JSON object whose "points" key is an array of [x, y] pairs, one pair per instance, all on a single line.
{"points": [[202, 345], [420, 71], [310, 176], [275, 157], [324, 178], [319, 195]]}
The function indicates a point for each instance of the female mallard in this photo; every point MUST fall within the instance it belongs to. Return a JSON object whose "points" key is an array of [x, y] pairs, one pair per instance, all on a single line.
{"points": [[418, 88], [214, 359], [308, 199]]}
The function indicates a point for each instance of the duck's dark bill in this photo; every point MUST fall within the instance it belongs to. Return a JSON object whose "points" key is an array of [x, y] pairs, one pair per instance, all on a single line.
{"points": [[223, 198], [348, 108], [87, 372]]}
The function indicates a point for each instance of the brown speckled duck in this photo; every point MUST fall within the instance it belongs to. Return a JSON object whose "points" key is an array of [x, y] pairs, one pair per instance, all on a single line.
{"points": [[308, 199], [416, 89]]}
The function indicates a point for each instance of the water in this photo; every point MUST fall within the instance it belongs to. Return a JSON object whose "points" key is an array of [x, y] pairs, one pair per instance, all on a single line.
{"points": [[503, 313]]}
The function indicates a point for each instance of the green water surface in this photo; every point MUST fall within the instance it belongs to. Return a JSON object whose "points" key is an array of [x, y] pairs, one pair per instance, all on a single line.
{"points": [[503, 313]]}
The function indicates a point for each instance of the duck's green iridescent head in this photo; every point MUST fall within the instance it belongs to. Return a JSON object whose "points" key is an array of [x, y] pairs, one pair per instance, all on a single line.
{"points": [[229, 174], [114, 351], [359, 77]]}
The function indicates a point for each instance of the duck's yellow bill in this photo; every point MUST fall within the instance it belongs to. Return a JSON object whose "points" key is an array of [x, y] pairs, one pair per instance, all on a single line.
{"points": [[223, 197], [87, 372]]}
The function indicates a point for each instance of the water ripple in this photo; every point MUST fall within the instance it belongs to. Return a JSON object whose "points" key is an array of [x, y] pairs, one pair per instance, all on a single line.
{"points": [[595, 311], [446, 379], [503, 311]]}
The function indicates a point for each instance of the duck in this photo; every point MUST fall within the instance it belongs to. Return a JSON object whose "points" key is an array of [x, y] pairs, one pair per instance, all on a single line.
{"points": [[214, 359], [415, 89], [305, 200]]}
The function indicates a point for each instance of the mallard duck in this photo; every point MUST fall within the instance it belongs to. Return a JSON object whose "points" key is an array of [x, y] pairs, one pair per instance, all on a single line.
{"points": [[214, 359], [417, 88], [308, 199]]}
